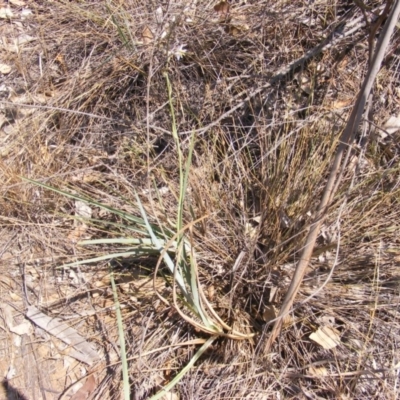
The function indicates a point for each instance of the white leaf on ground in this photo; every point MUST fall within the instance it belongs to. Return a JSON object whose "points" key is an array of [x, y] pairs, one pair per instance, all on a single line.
{"points": [[5, 69], [82, 209], [391, 126], [22, 329], [11, 372], [328, 338], [82, 349], [5, 13], [17, 340], [159, 15], [24, 38], [26, 13]]}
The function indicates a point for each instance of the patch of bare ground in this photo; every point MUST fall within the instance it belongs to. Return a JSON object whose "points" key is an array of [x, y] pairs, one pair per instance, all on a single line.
{"points": [[266, 88]]}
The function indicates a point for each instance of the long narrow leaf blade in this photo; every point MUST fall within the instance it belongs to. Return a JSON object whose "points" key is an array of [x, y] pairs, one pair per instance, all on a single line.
{"points": [[159, 246]]}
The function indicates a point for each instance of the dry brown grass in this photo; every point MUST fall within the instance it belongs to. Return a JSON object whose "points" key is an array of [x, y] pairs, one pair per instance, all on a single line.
{"points": [[97, 121]]}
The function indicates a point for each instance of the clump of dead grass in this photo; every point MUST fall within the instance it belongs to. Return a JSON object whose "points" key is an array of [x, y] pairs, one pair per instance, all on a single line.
{"points": [[258, 173]]}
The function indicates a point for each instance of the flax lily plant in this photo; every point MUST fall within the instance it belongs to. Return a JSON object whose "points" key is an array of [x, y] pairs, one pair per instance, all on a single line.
{"points": [[187, 296]]}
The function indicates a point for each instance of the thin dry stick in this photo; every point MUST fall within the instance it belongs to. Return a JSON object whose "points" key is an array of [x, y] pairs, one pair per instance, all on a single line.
{"points": [[345, 141]]}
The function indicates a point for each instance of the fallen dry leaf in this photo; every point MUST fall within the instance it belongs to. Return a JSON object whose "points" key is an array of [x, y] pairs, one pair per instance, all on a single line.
{"points": [[328, 338], [147, 35], [159, 14], [22, 329], [391, 126], [222, 9], [317, 371], [6, 13], [85, 391], [5, 69], [82, 209], [24, 38], [338, 104], [26, 13]]}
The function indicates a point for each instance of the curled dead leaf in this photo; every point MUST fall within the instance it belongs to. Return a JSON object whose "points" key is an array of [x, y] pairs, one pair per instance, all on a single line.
{"points": [[222, 9], [84, 392]]}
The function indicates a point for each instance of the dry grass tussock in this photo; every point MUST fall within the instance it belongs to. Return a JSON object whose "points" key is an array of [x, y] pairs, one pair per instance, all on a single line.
{"points": [[96, 120]]}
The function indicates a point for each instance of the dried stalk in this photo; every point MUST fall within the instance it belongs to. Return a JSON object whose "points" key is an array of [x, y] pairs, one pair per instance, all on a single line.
{"points": [[334, 177]]}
